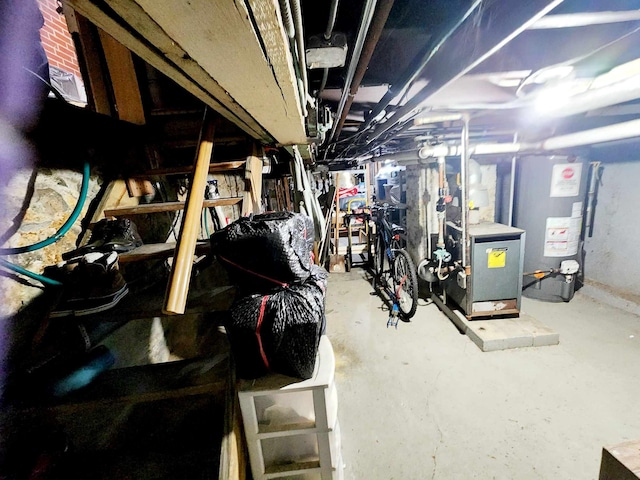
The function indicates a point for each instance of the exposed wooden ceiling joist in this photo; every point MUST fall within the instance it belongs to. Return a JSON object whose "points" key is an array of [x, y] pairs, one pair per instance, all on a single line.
{"points": [[234, 56]]}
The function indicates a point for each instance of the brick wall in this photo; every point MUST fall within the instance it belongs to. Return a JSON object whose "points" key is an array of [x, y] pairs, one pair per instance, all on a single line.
{"points": [[56, 39]]}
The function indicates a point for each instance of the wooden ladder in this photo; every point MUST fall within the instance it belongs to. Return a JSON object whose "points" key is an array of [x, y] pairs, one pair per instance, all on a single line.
{"points": [[187, 245]]}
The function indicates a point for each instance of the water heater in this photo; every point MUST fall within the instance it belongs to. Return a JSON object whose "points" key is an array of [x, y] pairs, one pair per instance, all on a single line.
{"points": [[549, 196]]}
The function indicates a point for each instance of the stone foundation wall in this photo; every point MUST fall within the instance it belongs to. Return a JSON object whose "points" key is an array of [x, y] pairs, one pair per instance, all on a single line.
{"points": [[51, 196]]}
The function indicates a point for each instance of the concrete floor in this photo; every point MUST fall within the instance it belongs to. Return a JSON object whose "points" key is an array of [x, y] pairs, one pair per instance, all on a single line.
{"points": [[423, 402]]}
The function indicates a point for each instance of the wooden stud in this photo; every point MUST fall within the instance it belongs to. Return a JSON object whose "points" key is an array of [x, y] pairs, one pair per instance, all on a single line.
{"points": [[123, 79], [89, 48], [252, 202]]}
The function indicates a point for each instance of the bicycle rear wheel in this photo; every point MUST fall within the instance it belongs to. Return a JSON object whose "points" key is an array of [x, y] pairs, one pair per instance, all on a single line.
{"points": [[379, 256], [405, 280]]}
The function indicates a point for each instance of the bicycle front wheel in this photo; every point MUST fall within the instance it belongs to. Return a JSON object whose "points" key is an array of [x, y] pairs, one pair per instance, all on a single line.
{"points": [[405, 280]]}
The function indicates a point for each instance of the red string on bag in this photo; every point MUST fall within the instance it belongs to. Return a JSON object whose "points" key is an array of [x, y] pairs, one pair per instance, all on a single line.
{"points": [[277, 282], [263, 305]]}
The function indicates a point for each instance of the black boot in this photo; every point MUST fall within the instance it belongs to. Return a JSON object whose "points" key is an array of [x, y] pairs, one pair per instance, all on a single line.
{"points": [[123, 236]]}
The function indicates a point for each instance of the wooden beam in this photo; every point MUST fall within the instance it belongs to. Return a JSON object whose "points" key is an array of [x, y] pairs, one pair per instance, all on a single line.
{"points": [[243, 46], [124, 82], [167, 207], [158, 50], [89, 49], [180, 276]]}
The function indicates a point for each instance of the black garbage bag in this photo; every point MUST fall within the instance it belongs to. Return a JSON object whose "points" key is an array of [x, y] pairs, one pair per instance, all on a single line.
{"points": [[266, 250], [279, 331]]}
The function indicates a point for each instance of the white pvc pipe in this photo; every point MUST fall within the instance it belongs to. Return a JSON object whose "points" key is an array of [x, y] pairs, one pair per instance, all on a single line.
{"points": [[585, 19], [613, 94], [610, 133]]}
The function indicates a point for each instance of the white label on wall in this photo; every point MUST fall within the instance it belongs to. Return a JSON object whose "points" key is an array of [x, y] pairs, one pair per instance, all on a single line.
{"points": [[565, 179], [562, 235]]}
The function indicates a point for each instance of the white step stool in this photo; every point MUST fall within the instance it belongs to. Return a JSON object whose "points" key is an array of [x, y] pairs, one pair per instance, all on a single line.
{"points": [[292, 426]]}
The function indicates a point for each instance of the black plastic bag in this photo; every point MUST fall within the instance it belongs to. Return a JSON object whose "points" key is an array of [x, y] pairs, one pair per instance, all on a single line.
{"points": [[279, 331], [265, 251]]}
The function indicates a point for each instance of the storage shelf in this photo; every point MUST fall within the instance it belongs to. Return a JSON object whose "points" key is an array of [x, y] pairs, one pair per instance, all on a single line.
{"points": [[277, 471], [284, 431], [308, 425], [155, 251], [167, 207], [213, 168]]}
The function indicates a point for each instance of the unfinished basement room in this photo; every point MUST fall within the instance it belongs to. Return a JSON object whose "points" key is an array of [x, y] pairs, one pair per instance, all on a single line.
{"points": [[314, 240]]}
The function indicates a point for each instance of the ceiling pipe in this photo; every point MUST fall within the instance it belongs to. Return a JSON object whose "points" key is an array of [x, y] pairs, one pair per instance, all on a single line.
{"points": [[412, 73], [613, 94], [367, 16], [585, 19], [302, 61], [333, 12], [287, 18], [609, 133], [411, 108], [377, 26]]}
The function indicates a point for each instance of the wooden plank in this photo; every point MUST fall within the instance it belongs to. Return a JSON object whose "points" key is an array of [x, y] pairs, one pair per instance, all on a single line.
{"points": [[233, 460], [89, 47], [254, 67], [287, 194], [252, 201], [160, 51], [621, 461], [123, 80], [154, 251], [148, 383], [178, 286], [167, 207], [213, 168]]}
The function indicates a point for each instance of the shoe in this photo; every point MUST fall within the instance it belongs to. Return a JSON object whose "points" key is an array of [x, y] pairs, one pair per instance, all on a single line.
{"points": [[123, 236], [120, 235], [92, 284]]}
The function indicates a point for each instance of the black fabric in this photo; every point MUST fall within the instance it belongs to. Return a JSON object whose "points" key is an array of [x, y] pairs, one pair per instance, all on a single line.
{"points": [[293, 321], [275, 245]]}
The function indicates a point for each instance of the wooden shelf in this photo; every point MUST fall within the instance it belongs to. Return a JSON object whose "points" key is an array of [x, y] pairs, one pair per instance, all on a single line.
{"points": [[297, 468], [157, 251], [213, 168], [166, 207]]}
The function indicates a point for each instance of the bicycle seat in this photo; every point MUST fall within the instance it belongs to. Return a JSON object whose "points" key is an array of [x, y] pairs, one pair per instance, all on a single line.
{"points": [[397, 229]]}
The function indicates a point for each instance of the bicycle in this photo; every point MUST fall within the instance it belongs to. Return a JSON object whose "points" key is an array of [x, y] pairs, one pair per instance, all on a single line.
{"points": [[393, 267]]}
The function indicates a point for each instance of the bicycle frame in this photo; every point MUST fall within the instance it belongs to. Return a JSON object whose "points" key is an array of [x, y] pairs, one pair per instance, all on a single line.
{"points": [[391, 241]]}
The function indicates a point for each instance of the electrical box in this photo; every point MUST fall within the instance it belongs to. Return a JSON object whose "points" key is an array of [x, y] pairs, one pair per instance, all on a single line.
{"points": [[495, 285]]}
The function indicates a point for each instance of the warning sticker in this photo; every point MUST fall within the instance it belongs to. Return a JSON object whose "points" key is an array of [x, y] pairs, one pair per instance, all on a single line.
{"points": [[562, 235], [497, 257], [565, 179]]}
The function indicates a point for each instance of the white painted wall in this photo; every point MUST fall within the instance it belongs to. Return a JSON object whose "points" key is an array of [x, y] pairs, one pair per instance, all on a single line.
{"points": [[612, 254]]}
